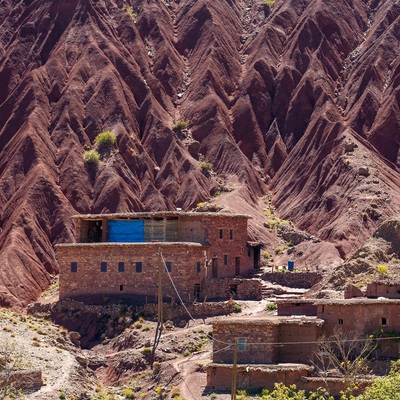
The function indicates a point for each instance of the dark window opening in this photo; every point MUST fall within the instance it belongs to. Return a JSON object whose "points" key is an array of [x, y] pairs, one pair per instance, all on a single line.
{"points": [[237, 266], [198, 267], [297, 304], [340, 321], [225, 259], [221, 233], [384, 321], [233, 289], [121, 267], [95, 232], [103, 266], [169, 266], [121, 288], [139, 266], [214, 268], [241, 344], [196, 291], [74, 267], [248, 253], [230, 234]]}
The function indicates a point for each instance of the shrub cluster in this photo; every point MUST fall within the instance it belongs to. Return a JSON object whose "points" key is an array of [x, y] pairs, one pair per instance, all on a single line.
{"points": [[105, 139], [91, 157]]}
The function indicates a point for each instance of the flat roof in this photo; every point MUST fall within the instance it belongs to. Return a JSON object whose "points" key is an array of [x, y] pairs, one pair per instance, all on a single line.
{"points": [[131, 244], [271, 320], [159, 214], [341, 302]]}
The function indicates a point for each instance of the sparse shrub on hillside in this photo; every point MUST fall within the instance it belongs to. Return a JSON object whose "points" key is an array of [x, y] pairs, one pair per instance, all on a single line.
{"points": [[382, 269], [269, 3], [206, 166], [266, 255], [105, 139], [91, 157], [180, 125], [271, 306], [130, 11]]}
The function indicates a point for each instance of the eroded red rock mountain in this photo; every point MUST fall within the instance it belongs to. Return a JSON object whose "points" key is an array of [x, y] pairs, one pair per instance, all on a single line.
{"points": [[300, 100]]}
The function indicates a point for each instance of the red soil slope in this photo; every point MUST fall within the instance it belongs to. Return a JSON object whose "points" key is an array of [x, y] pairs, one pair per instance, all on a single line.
{"points": [[272, 95]]}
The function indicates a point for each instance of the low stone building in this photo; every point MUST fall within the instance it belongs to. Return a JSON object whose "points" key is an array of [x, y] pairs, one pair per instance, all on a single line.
{"points": [[201, 254], [282, 348]]}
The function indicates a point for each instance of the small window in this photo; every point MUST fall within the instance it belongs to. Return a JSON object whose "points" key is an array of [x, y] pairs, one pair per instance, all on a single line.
{"points": [[74, 267], [241, 344], [230, 234], [383, 321], [221, 233], [139, 266], [198, 267], [225, 259], [121, 288], [103, 266], [121, 267], [340, 321], [169, 266]]}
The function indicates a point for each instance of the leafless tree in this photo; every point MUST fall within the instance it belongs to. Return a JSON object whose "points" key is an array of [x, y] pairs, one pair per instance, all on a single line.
{"points": [[10, 362], [344, 355]]}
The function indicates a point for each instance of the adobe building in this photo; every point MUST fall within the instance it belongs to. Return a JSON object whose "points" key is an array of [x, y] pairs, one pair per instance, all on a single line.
{"points": [[120, 255], [281, 348]]}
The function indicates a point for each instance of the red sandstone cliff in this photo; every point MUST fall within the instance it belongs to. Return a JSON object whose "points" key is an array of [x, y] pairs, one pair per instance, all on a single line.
{"points": [[272, 96]]}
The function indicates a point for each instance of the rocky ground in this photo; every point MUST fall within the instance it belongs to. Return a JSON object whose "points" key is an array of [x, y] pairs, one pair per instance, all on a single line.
{"points": [[116, 367]]}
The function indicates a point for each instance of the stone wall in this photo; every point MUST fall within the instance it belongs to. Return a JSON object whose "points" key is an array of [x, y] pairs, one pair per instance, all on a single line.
{"points": [[301, 280], [238, 289]]}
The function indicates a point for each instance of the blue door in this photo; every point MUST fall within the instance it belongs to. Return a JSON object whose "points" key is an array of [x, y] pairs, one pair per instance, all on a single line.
{"points": [[126, 231]]}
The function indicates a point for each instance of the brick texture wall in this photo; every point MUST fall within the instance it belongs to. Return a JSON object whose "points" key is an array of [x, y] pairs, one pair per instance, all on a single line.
{"points": [[216, 241], [88, 280]]}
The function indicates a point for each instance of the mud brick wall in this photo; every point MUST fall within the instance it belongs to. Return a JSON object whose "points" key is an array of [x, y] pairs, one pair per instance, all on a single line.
{"points": [[260, 332], [230, 248], [363, 317], [302, 280], [239, 289], [297, 307], [298, 339], [219, 377], [88, 280], [383, 290]]}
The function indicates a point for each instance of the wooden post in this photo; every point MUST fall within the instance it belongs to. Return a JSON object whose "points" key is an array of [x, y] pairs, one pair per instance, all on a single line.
{"points": [[234, 371], [160, 308]]}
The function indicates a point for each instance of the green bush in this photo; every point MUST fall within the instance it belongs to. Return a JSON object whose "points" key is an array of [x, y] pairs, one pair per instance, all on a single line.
{"points": [[271, 306], [91, 157], [105, 139], [269, 3], [180, 125], [206, 166], [128, 393], [237, 308]]}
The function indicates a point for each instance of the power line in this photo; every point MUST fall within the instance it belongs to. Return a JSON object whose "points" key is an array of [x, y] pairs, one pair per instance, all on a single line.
{"points": [[183, 304]]}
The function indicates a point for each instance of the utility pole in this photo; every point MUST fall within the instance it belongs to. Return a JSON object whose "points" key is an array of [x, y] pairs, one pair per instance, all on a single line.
{"points": [[160, 310], [234, 370]]}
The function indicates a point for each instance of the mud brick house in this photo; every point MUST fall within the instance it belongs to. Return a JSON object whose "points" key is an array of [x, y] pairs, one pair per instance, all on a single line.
{"points": [[280, 348], [119, 255]]}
